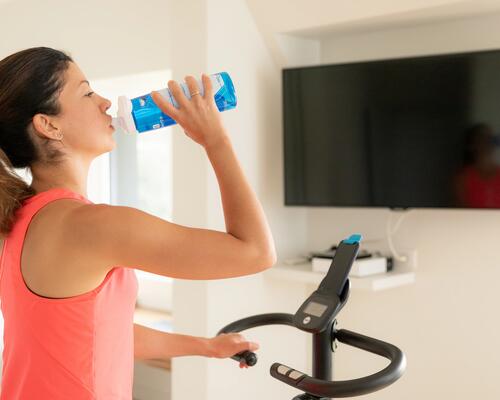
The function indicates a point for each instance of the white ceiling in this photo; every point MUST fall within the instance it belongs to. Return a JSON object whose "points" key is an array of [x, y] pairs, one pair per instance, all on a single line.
{"points": [[311, 18]]}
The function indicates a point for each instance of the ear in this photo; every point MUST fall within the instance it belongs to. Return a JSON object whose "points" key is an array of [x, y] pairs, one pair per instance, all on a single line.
{"points": [[44, 127]]}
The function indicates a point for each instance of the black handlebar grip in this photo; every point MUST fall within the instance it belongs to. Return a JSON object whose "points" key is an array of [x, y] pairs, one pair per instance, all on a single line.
{"points": [[248, 357]]}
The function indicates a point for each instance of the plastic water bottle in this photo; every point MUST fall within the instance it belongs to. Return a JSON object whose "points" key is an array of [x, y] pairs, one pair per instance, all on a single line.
{"points": [[141, 114]]}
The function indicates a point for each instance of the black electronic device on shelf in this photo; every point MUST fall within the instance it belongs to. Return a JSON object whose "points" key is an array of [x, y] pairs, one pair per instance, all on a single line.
{"points": [[317, 315]]}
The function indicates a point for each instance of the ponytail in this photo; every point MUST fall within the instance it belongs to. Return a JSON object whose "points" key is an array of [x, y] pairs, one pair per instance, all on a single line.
{"points": [[13, 191]]}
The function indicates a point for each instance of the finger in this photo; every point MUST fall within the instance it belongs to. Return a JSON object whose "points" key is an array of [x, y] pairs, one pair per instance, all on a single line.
{"points": [[207, 87], [193, 88], [164, 105], [178, 94]]}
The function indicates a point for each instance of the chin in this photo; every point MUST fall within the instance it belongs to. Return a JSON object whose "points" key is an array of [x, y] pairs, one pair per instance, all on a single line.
{"points": [[111, 146], [106, 149]]}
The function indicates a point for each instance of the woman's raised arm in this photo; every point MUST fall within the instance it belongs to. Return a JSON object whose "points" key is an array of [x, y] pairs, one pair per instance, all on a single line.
{"points": [[129, 237]]}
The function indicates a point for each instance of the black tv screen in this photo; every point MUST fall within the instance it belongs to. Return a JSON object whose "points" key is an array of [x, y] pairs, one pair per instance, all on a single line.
{"points": [[412, 132]]}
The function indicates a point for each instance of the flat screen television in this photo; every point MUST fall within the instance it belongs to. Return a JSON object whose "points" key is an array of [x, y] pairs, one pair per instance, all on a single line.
{"points": [[400, 133]]}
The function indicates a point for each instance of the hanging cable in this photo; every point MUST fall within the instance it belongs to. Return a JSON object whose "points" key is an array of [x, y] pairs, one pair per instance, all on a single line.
{"points": [[389, 231]]}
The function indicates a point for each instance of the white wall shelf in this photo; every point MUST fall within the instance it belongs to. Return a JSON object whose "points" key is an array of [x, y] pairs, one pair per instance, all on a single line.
{"points": [[303, 273], [154, 319]]}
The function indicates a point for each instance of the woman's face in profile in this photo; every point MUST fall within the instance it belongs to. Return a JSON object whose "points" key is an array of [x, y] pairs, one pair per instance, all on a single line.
{"points": [[83, 119]]}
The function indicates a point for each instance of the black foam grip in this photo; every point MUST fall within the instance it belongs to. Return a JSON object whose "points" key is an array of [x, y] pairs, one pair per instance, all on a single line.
{"points": [[249, 357]]}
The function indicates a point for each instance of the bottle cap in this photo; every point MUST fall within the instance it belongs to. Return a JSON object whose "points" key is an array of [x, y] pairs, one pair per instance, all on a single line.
{"points": [[124, 115]]}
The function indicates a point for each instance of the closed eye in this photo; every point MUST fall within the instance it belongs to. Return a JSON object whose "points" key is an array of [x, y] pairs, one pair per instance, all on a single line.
{"points": [[89, 94]]}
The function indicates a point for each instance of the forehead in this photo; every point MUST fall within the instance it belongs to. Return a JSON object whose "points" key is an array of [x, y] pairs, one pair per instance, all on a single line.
{"points": [[74, 76], [72, 88]]}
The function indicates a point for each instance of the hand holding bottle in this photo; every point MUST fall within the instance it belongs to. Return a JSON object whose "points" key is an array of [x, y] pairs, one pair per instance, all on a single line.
{"points": [[198, 116]]}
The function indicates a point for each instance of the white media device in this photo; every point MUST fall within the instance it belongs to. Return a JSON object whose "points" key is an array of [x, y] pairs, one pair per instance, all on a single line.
{"points": [[361, 267]]}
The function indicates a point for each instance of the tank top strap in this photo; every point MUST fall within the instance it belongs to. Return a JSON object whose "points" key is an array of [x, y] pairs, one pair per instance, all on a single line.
{"points": [[33, 204], [47, 196]]}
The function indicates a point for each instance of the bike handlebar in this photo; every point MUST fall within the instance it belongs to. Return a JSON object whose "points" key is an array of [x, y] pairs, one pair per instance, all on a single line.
{"points": [[319, 387]]}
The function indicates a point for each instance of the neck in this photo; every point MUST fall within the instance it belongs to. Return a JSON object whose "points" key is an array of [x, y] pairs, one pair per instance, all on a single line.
{"points": [[70, 174]]}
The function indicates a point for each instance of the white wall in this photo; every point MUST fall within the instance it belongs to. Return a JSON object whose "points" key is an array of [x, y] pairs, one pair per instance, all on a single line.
{"points": [[107, 39], [447, 322]]}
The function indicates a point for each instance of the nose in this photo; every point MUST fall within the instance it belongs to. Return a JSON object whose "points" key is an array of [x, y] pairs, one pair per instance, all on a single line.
{"points": [[106, 104]]}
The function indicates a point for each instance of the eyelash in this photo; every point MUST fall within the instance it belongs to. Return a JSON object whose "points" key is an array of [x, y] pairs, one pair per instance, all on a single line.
{"points": [[89, 94]]}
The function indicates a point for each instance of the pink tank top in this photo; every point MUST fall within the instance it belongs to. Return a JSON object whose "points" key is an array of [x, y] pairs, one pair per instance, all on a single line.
{"points": [[76, 348]]}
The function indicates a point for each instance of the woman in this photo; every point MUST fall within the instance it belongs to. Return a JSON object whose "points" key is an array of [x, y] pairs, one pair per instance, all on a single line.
{"points": [[68, 302]]}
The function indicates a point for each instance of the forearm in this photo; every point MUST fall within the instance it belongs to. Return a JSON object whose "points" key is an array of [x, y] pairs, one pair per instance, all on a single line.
{"points": [[152, 344], [243, 213]]}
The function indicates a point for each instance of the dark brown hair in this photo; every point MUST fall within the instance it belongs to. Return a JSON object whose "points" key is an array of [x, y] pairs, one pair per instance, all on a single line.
{"points": [[30, 83]]}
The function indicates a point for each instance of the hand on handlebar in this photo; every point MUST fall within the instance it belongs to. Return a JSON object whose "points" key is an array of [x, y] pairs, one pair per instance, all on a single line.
{"points": [[227, 345]]}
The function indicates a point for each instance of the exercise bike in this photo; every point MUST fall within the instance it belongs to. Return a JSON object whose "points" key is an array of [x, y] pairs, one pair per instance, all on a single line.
{"points": [[317, 316]]}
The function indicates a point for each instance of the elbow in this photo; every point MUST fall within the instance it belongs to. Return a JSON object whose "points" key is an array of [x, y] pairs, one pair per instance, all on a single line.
{"points": [[266, 259]]}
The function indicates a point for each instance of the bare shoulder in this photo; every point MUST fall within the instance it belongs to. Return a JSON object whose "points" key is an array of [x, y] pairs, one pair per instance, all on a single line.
{"points": [[50, 266], [78, 230], [48, 226]]}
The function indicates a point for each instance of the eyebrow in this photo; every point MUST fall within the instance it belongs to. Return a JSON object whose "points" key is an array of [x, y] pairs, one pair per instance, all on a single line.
{"points": [[84, 81]]}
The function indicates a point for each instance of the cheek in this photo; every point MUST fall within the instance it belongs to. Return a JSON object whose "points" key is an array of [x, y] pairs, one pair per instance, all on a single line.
{"points": [[84, 124], [83, 119], [81, 132]]}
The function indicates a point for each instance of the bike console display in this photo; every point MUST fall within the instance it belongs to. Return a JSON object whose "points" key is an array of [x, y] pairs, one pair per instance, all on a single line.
{"points": [[321, 308]]}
